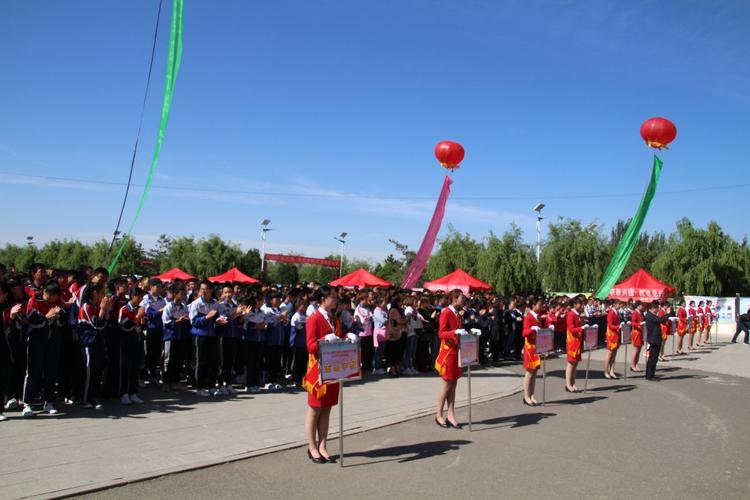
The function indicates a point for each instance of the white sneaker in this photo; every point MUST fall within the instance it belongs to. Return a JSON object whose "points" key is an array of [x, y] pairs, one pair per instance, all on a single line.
{"points": [[217, 392], [98, 405], [12, 404], [135, 399], [268, 387], [3, 418], [49, 408], [277, 387], [223, 391], [27, 411], [69, 401], [125, 400], [231, 390], [203, 393]]}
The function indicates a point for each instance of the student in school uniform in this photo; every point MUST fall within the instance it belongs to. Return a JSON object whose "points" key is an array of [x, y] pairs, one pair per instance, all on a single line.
{"points": [[273, 341], [14, 322], [153, 304], [44, 317], [203, 315], [252, 341], [92, 319], [176, 321], [229, 334], [298, 343], [130, 318]]}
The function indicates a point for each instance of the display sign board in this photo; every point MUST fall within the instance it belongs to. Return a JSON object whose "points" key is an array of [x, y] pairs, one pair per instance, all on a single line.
{"points": [[338, 361], [590, 337], [545, 341], [673, 326], [468, 350], [626, 333], [690, 322]]}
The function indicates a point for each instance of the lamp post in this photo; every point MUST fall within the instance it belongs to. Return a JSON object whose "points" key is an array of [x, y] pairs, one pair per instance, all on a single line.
{"points": [[341, 239], [538, 209], [30, 241], [263, 230]]}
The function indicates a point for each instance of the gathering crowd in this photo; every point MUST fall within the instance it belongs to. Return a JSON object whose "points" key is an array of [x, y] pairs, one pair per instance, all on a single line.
{"points": [[82, 337]]}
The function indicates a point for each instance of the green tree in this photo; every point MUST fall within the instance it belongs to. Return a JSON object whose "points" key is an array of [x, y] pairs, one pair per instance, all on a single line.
{"points": [[573, 257], [508, 264], [182, 253], [130, 261], [283, 272], [215, 256], [19, 257], [455, 251], [250, 263], [391, 269], [704, 261]]}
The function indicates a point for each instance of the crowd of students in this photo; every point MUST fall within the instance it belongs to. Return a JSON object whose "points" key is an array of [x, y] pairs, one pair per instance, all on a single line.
{"points": [[83, 337]]}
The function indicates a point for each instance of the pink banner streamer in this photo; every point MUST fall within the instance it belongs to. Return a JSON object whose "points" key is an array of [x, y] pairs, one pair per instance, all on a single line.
{"points": [[425, 249]]}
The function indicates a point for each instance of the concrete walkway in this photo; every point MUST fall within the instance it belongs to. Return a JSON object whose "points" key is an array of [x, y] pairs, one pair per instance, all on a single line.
{"points": [[81, 450]]}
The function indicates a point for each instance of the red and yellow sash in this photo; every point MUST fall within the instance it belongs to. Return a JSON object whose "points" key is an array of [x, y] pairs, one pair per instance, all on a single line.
{"points": [[446, 348]]}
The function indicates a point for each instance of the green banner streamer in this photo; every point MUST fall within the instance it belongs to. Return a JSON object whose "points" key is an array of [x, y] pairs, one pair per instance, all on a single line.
{"points": [[632, 233], [173, 66]]}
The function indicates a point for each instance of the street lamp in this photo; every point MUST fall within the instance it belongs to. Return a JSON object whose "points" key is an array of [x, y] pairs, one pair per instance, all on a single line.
{"points": [[341, 239], [263, 230], [30, 240], [538, 209]]}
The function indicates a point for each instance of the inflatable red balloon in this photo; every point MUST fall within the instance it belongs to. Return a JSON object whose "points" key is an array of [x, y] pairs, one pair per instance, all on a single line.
{"points": [[658, 132], [450, 154]]}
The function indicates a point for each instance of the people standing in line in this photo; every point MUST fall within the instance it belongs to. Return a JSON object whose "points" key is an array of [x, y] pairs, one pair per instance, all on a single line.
{"points": [[613, 340], [666, 330], [692, 324], [700, 325], [228, 332], [532, 323], [636, 337], [154, 304], [298, 343], [450, 327], [203, 314], [92, 319], [130, 319], [573, 343], [176, 322], [682, 326]]}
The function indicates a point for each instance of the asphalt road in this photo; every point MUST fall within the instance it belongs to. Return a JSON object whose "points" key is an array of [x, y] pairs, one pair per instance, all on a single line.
{"points": [[684, 436]]}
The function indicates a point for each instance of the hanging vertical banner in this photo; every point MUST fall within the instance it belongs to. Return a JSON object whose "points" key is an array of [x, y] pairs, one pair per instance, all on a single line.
{"points": [[631, 235], [173, 66], [425, 249]]}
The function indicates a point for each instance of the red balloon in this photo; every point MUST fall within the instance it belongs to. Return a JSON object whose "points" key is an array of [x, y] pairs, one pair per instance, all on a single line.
{"points": [[658, 132], [450, 154]]}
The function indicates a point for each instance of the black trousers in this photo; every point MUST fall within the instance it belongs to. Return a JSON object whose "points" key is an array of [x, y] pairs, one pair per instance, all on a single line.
{"points": [[272, 363], [5, 368], [422, 360], [206, 361], [367, 353], [42, 362], [17, 345], [252, 356], [72, 370], [230, 347], [299, 365], [93, 357], [653, 357], [111, 384], [176, 354], [154, 347], [130, 362]]}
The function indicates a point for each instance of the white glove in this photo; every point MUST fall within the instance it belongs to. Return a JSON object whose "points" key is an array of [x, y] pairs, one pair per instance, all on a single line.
{"points": [[352, 337], [627, 323], [586, 325], [535, 328], [331, 337], [461, 331], [673, 318], [596, 326], [477, 332]]}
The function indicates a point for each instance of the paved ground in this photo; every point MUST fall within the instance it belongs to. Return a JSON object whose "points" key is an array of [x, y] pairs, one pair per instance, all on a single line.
{"points": [[83, 449], [684, 436]]}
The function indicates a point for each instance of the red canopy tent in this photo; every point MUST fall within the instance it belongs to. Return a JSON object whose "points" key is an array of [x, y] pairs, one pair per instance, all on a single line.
{"points": [[234, 275], [641, 286], [174, 274], [457, 279], [360, 278]]}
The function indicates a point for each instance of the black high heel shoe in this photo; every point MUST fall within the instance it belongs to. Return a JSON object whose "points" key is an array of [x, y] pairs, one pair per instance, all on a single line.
{"points": [[328, 460], [527, 403], [319, 460], [451, 425], [444, 426]]}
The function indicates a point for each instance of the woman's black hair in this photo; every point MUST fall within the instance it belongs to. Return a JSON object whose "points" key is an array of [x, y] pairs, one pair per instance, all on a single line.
{"points": [[323, 292], [89, 291]]}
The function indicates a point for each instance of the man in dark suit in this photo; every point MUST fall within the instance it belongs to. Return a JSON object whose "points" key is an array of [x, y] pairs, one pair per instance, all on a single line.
{"points": [[653, 336]]}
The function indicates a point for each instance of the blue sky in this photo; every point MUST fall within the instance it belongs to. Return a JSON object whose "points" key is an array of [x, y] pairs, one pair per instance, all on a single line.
{"points": [[339, 105]]}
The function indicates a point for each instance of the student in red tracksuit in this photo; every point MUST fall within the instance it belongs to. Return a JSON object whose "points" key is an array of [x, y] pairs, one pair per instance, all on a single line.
{"points": [[446, 364], [636, 322], [531, 360], [613, 340]]}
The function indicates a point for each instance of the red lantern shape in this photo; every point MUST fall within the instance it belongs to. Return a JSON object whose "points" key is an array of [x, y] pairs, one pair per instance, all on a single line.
{"points": [[450, 154], [658, 132]]}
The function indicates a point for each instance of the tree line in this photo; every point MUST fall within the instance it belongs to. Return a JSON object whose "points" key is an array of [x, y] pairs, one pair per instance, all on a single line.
{"points": [[702, 261]]}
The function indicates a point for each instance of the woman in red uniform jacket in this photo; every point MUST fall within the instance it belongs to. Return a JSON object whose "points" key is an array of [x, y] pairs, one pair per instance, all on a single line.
{"points": [[613, 340], [636, 321], [708, 316], [320, 397], [573, 343], [693, 314], [446, 363], [531, 360], [682, 317], [699, 323]]}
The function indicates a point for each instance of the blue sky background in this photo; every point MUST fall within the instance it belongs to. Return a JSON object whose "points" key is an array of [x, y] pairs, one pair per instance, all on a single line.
{"points": [[343, 100]]}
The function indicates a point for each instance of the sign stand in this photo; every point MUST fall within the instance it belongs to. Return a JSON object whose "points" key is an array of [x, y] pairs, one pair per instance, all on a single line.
{"points": [[589, 334], [625, 364], [341, 423], [469, 383], [544, 380], [468, 354]]}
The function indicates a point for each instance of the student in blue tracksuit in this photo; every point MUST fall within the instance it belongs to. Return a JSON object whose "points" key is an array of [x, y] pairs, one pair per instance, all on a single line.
{"points": [[92, 320], [298, 344], [153, 304], [203, 320], [273, 341], [130, 318], [229, 334], [176, 321], [254, 321]]}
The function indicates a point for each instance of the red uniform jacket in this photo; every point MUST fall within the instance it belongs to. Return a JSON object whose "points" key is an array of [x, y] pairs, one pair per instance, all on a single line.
{"points": [[446, 363]]}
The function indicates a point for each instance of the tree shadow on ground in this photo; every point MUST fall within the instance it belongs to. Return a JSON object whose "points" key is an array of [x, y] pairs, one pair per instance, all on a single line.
{"points": [[512, 421], [408, 452]]}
